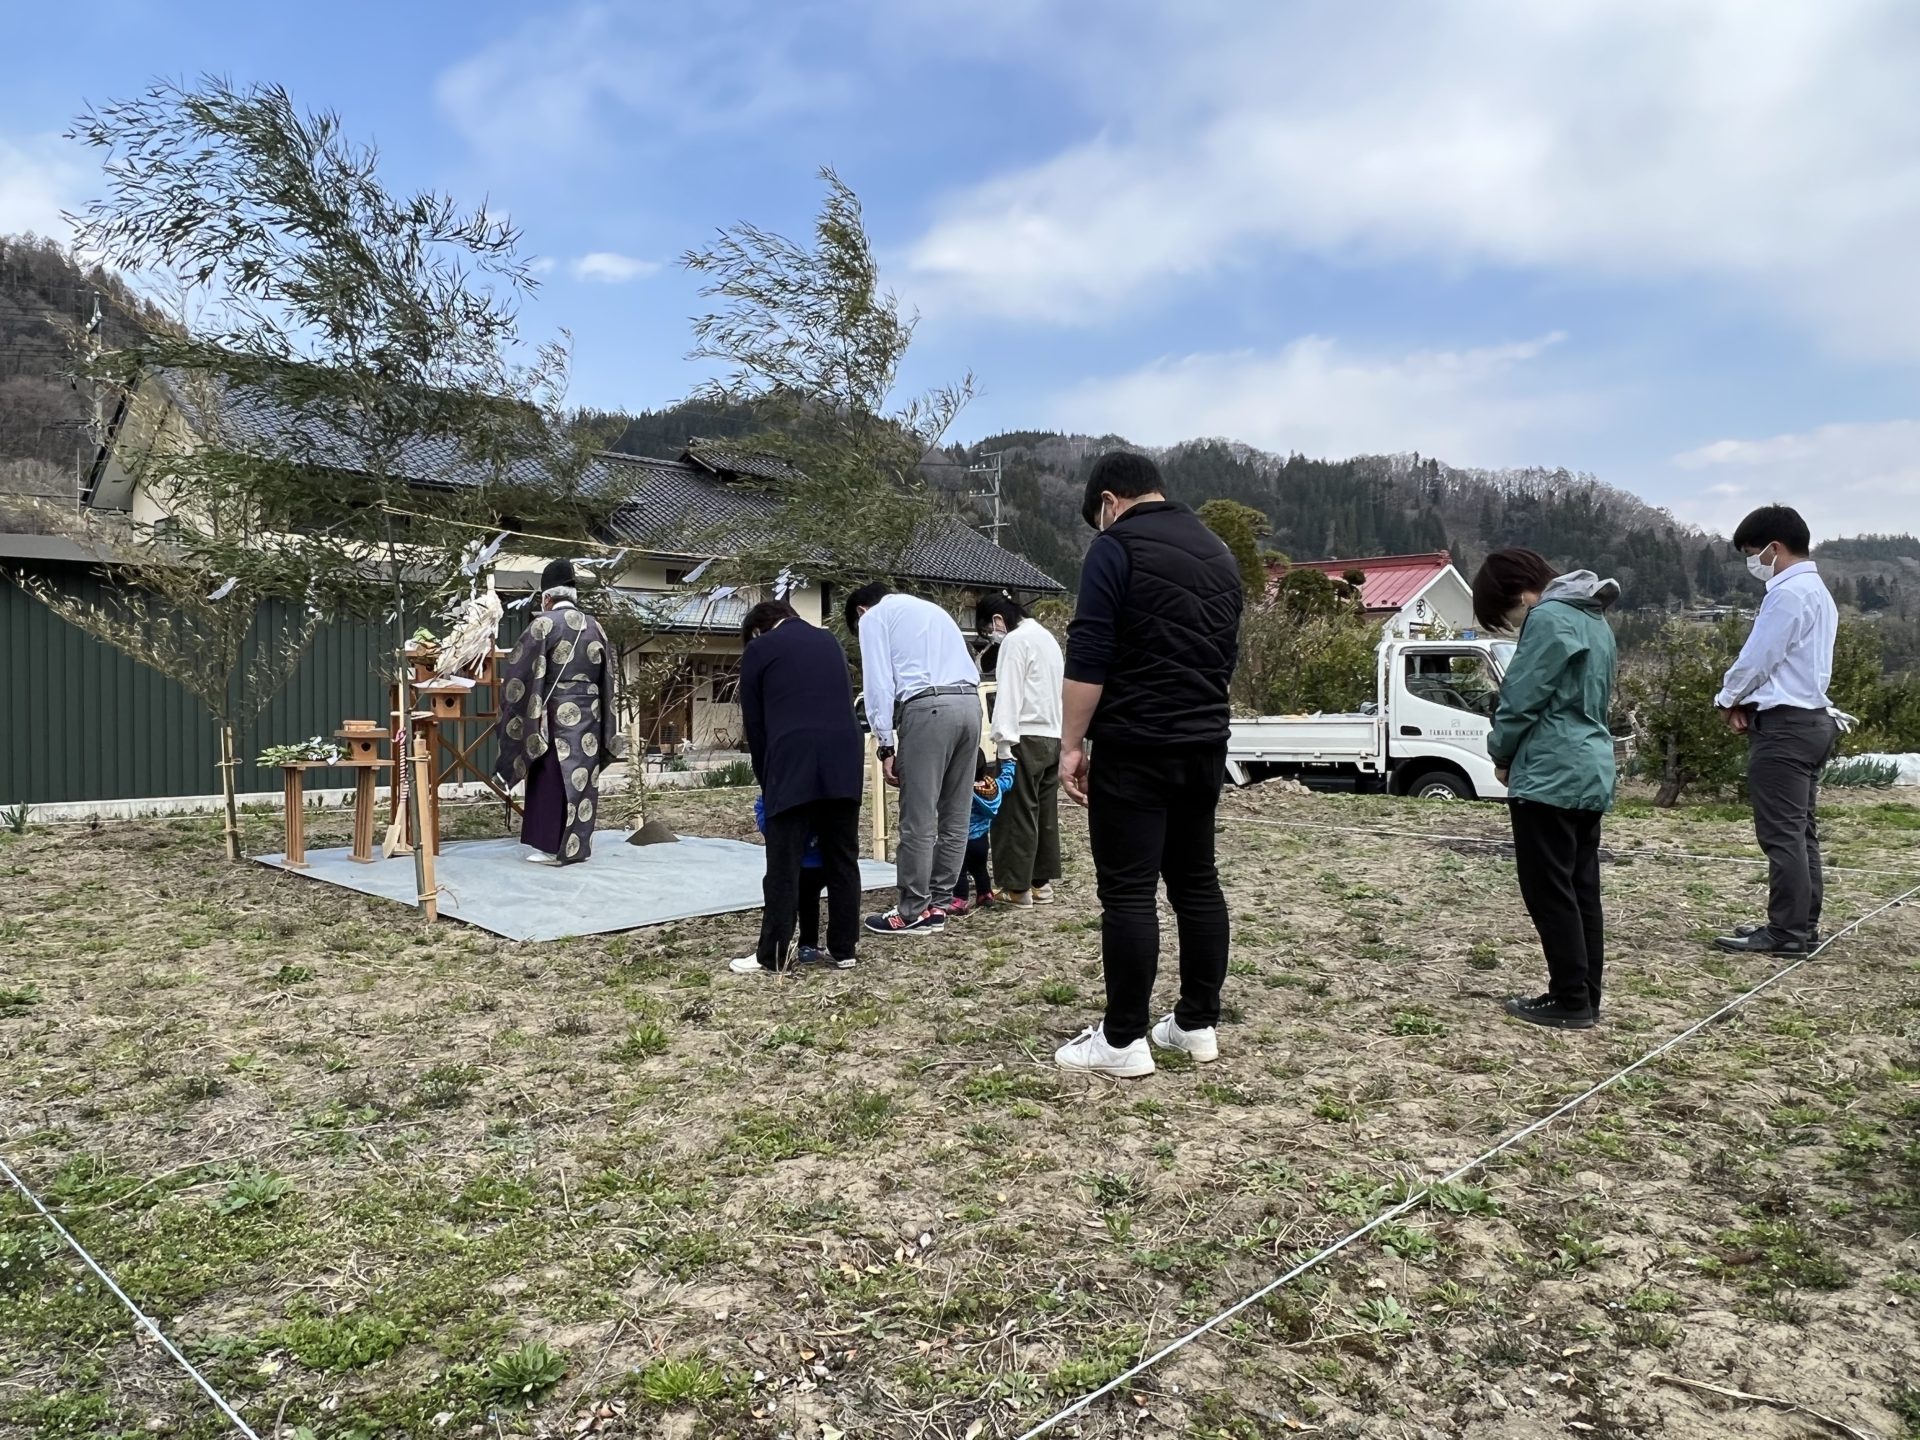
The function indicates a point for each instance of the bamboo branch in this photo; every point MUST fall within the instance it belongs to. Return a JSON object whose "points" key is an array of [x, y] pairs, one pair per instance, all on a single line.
{"points": [[1774, 1401]]}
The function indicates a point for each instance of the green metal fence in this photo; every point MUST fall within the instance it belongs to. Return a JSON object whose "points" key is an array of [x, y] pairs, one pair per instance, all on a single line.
{"points": [[84, 722]]}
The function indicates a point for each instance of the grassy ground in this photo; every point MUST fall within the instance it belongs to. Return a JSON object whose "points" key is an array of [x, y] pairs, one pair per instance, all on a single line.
{"points": [[384, 1180]]}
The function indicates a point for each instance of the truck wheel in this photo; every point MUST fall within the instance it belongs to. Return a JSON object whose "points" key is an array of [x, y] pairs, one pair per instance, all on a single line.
{"points": [[1439, 785]]}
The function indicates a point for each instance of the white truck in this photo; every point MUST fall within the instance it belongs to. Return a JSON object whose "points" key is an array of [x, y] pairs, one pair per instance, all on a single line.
{"points": [[1424, 734]]}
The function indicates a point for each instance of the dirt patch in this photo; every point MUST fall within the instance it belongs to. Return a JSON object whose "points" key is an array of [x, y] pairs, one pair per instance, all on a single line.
{"points": [[361, 1168]]}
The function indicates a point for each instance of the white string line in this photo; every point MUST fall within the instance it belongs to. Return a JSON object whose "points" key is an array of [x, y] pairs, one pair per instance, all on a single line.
{"points": [[121, 1295], [1644, 854], [1421, 1194]]}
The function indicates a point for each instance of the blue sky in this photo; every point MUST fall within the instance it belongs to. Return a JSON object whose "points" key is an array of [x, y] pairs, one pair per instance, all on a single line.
{"points": [[1672, 242]]}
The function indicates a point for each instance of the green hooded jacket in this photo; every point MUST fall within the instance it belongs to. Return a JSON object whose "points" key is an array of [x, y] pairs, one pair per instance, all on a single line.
{"points": [[1550, 729]]}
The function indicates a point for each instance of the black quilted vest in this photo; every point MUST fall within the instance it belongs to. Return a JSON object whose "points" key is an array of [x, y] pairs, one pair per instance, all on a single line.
{"points": [[1178, 634]]}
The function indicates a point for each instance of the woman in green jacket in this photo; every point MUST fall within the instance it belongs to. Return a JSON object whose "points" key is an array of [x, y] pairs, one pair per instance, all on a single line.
{"points": [[1554, 751]]}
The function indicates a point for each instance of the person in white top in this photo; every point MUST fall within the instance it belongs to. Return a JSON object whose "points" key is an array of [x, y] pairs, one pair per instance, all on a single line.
{"points": [[1029, 676], [1776, 695], [923, 707]]}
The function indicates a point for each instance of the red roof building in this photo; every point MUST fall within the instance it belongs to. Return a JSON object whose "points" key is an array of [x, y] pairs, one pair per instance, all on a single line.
{"points": [[1418, 588]]}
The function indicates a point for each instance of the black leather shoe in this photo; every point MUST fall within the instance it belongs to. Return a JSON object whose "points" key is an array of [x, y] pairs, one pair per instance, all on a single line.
{"points": [[1761, 942], [1554, 1014], [1754, 928]]}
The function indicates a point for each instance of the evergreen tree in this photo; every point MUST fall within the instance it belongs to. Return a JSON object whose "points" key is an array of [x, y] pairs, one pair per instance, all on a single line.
{"points": [[1242, 527]]}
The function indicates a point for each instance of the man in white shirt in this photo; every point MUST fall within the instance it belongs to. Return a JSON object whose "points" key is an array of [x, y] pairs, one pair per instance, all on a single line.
{"points": [[923, 706], [1776, 695], [1029, 676]]}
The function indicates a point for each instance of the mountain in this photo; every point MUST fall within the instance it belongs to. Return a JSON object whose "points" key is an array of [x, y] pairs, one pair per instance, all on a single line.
{"points": [[1316, 509], [47, 300], [1370, 505]]}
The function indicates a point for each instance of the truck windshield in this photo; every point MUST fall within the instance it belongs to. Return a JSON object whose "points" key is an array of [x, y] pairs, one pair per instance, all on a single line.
{"points": [[1503, 653]]}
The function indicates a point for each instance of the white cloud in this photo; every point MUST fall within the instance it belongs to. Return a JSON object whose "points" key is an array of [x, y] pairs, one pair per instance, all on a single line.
{"points": [[1846, 479], [611, 269], [1474, 407], [540, 96], [541, 264], [40, 177], [1769, 146]]}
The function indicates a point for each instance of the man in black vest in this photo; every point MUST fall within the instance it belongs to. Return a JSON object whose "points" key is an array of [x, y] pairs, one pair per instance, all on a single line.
{"points": [[1149, 656]]}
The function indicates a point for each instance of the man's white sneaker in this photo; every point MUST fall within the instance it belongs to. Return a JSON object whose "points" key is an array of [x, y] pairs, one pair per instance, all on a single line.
{"points": [[748, 965], [540, 857], [1202, 1045], [1043, 893], [1090, 1054]]}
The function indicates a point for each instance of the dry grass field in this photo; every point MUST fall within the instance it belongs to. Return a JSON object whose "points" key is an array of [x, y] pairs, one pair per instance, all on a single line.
{"points": [[379, 1179]]}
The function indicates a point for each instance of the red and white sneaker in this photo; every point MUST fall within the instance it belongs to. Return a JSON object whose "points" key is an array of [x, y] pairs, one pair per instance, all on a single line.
{"points": [[928, 922]]}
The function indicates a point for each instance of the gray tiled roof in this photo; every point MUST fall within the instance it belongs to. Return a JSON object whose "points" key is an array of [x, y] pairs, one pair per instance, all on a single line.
{"points": [[672, 502], [729, 460], [686, 506], [246, 418]]}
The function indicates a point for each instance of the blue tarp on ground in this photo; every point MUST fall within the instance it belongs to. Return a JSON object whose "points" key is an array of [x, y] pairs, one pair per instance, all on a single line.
{"points": [[489, 883]]}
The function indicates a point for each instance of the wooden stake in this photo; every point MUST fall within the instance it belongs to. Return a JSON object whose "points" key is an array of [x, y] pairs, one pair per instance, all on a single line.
{"points": [[227, 764], [877, 792], [423, 858]]}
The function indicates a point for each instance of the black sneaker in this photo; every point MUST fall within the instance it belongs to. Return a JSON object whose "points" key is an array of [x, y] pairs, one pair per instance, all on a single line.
{"points": [[1762, 941], [826, 960], [929, 922], [1555, 1014]]}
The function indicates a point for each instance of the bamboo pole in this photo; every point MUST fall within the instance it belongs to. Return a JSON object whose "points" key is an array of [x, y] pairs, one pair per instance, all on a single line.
{"points": [[227, 787]]}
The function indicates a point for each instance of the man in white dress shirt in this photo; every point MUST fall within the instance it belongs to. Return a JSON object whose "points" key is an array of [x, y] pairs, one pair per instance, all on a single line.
{"points": [[1776, 695], [1029, 678], [923, 707]]}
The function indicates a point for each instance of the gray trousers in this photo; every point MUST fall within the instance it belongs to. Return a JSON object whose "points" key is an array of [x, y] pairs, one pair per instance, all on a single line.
{"points": [[939, 738], [1786, 751]]}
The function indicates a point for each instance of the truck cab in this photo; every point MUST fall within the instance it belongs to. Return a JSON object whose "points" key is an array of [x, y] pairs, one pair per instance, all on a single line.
{"points": [[1438, 700], [1425, 732]]}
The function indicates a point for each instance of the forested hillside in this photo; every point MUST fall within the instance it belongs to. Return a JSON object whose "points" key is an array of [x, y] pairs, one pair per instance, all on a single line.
{"points": [[1316, 509], [47, 301], [1373, 505]]}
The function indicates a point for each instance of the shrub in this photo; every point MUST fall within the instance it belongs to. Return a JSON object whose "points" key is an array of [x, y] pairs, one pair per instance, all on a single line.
{"points": [[735, 772]]}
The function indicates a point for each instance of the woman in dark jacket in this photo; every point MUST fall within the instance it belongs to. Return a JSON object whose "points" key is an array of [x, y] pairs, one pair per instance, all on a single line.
{"points": [[796, 705], [1554, 751]]}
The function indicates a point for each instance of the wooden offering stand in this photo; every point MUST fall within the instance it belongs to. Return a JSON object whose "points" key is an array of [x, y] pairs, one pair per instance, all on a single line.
{"points": [[449, 728], [294, 785], [361, 740]]}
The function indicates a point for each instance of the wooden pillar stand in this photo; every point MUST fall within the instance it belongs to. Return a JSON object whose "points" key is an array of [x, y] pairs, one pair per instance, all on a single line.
{"points": [[366, 802], [294, 786], [877, 792], [427, 775], [361, 741]]}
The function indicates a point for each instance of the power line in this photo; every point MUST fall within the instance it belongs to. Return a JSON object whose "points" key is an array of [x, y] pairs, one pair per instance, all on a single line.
{"points": [[988, 466], [1421, 1193]]}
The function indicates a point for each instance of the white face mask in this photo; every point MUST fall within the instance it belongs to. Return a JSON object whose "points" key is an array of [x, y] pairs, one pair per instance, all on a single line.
{"points": [[1758, 568]]}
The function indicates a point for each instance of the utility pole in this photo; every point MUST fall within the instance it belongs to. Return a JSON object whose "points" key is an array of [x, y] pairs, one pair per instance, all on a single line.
{"points": [[93, 436], [987, 467]]}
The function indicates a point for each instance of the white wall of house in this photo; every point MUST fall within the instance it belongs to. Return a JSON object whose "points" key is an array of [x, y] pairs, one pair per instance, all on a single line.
{"points": [[1447, 598]]}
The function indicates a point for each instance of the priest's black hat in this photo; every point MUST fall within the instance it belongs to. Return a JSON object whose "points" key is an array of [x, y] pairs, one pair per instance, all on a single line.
{"points": [[558, 576]]}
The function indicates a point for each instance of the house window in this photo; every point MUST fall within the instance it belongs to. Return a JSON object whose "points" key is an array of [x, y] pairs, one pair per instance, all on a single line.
{"points": [[676, 577], [723, 682]]}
